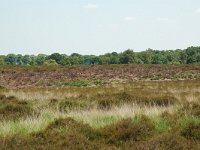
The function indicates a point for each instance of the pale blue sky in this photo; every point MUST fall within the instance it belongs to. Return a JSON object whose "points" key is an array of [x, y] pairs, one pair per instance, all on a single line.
{"points": [[97, 26]]}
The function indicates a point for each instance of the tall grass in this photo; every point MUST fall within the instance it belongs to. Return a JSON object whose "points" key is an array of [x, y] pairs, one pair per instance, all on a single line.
{"points": [[26, 126], [95, 118], [39, 99], [100, 118]]}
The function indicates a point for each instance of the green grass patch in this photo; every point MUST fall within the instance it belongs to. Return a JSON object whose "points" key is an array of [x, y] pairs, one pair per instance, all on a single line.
{"points": [[183, 122], [102, 121], [160, 124]]}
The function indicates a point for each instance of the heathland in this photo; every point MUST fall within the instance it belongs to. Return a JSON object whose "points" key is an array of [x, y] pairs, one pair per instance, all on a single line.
{"points": [[141, 107]]}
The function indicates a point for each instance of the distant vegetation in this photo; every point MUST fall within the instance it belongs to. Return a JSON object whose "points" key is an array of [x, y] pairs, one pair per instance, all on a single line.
{"points": [[191, 55], [93, 75]]}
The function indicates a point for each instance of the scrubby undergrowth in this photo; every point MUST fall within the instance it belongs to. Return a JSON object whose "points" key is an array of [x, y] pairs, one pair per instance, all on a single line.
{"points": [[146, 115], [138, 133]]}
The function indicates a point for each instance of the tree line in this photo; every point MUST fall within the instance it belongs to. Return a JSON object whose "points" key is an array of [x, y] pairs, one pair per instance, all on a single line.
{"points": [[191, 55]]}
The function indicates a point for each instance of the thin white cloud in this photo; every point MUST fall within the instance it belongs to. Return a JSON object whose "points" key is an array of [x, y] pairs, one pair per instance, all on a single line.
{"points": [[197, 11], [162, 19], [90, 6], [114, 27], [129, 18]]}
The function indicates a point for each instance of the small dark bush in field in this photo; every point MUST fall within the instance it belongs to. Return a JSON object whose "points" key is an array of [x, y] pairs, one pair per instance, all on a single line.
{"points": [[155, 100], [68, 105], [106, 101], [170, 118], [2, 88], [105, 104], [124, 97], [11, 108], [68, 133], [14, 111], [73, 104], [79, 142], [126, 130], [190, 108], [164, 141], [2, 97], [53, 103], [164, 101], [191, 131], [170, 141], [11, 98], [69, 125], [195, 109]]}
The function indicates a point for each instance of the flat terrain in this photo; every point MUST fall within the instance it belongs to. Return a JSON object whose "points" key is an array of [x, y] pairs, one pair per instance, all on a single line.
{"points": [[139, 107], [18, 76]]}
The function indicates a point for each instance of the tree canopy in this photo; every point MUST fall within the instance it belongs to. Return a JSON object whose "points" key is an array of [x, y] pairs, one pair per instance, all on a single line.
{"points": [[191, 55]]}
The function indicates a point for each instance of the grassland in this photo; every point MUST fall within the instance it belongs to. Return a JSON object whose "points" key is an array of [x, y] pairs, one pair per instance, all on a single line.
{"points": [[142, 107]]}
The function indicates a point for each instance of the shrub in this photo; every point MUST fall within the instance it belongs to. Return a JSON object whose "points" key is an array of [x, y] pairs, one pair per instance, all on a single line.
{"points": [[192, 131], [11, 108], [2, 88], [170, 141], [73, 104], [106, 101], [68, 133], [126, 130], [191, 108], [2, 97], [155, 100]]}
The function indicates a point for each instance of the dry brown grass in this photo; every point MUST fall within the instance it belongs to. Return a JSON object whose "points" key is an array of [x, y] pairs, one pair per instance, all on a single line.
{"points": [[171, 110], [182, 90]]}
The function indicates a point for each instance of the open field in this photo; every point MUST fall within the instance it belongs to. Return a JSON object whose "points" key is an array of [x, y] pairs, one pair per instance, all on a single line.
{"points": [[142, 107], [20, 76]]}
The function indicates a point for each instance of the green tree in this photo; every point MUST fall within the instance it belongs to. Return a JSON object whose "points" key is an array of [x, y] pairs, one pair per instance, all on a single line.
{"points": [[2, 62], [75, 59], [146, 56], [40, 59], [159, 58], [192, 54], [65, 60], [11, 59], [57, 57], [19, 58], [104, 59], [26, 59], [114, 58], [50, 62], [183, 57], [128, 57]]}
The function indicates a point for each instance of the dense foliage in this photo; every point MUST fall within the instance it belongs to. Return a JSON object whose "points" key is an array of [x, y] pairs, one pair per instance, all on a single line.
{"points": [[191, 55]]}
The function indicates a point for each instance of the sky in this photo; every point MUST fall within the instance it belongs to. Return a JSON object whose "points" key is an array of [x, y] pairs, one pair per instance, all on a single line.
{"points": [[97, 26]]}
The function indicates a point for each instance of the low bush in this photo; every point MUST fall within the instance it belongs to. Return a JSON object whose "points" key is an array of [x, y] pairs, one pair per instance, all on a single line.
{"points": [[171, 141], [11, 108], [126, 130], [191, 131], [74, 104], [2, 97], [106, 101]]}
